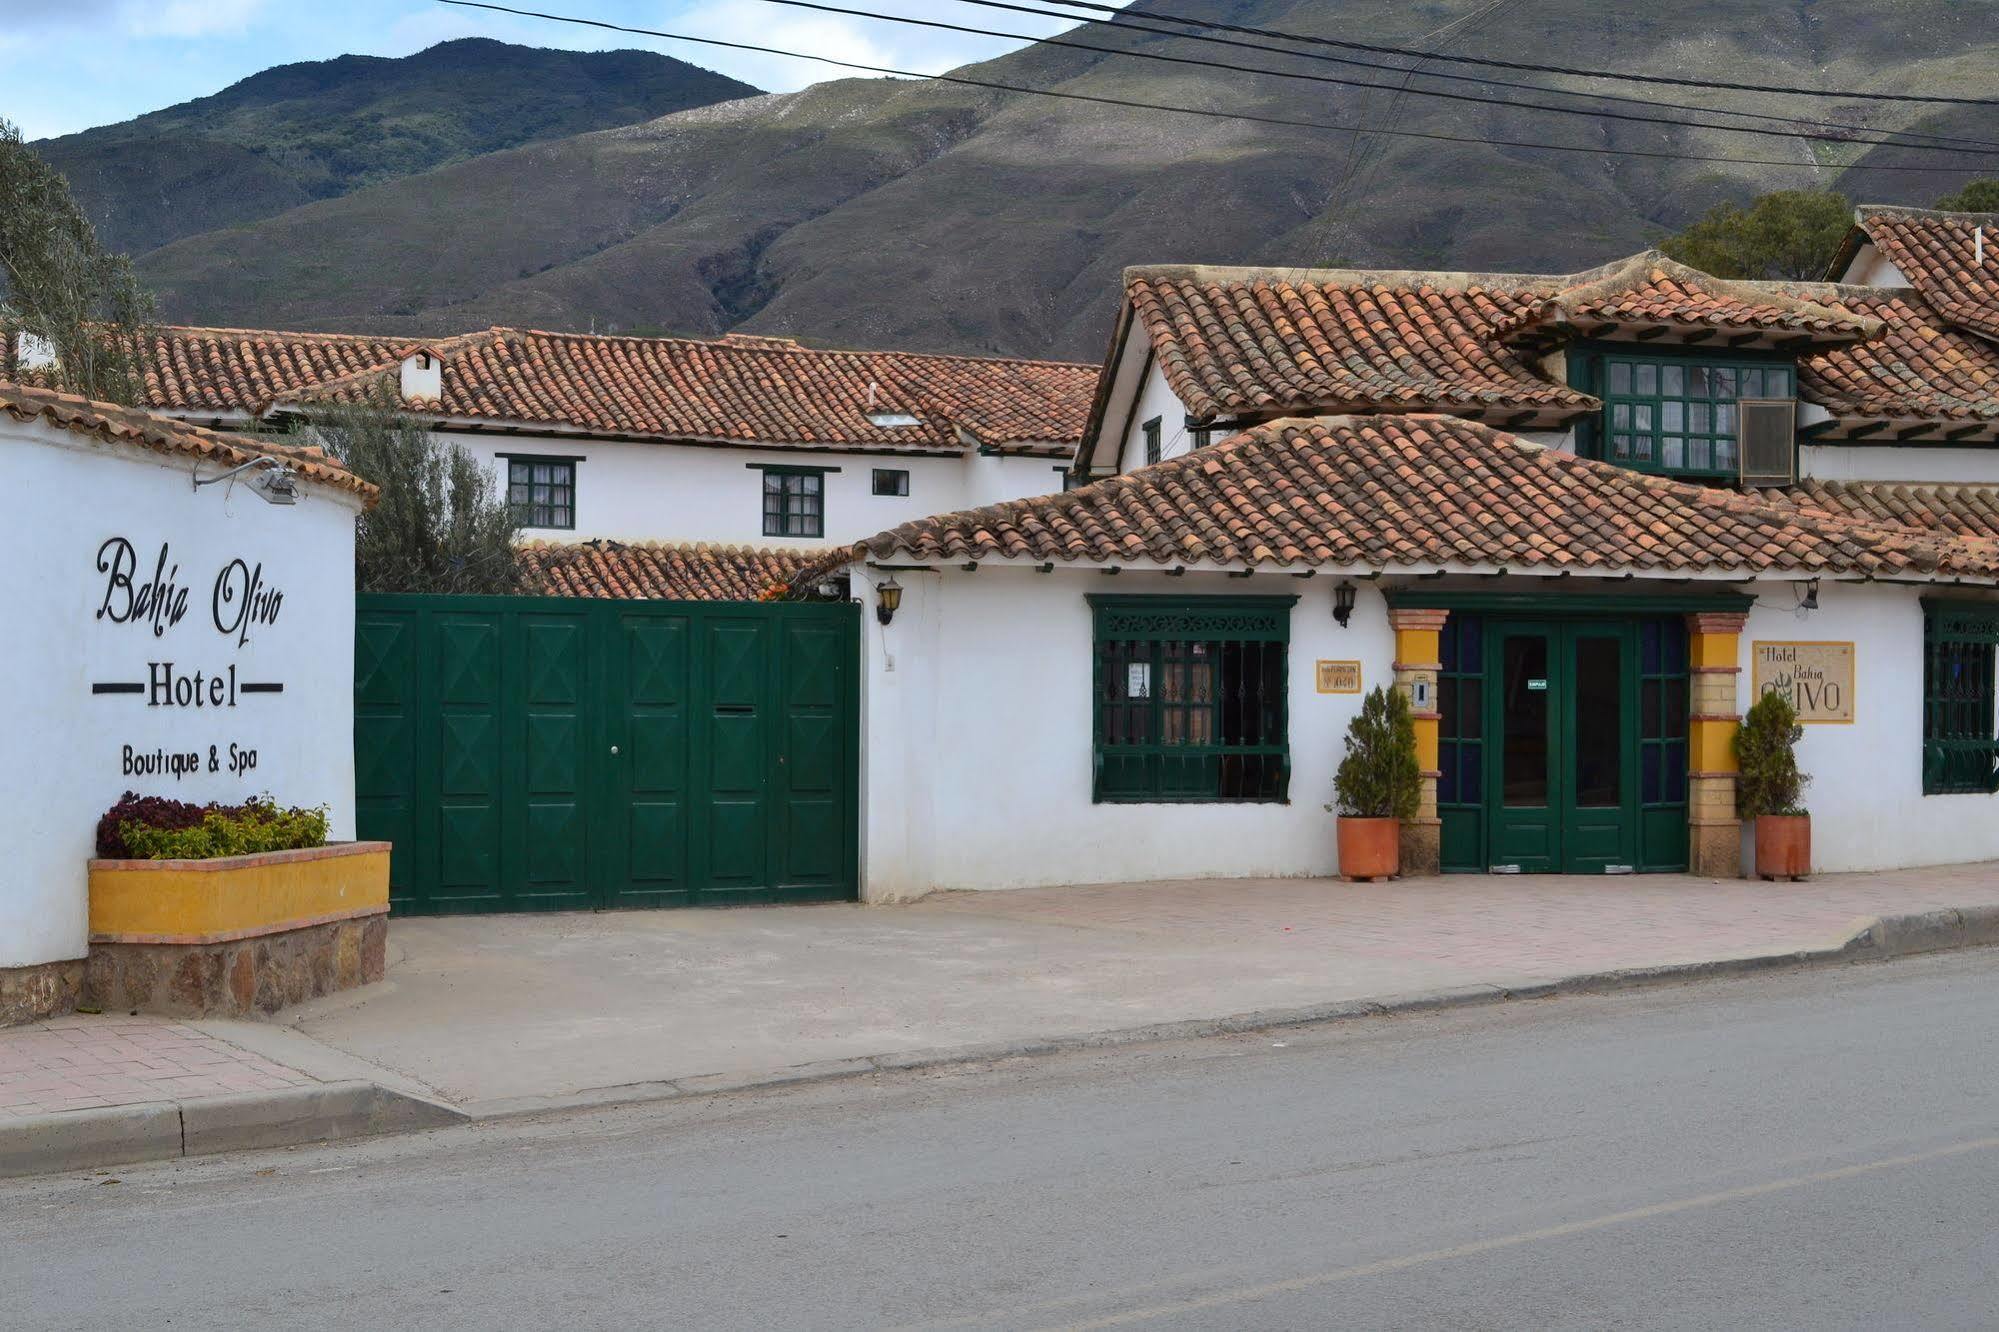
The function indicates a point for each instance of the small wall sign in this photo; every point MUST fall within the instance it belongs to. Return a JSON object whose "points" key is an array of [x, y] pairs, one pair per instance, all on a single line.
{"points": [[1138, 680], [1816, 677], [1339, 677]]}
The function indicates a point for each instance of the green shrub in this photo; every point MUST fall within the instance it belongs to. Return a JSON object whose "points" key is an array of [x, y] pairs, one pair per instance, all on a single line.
{"points": [[1378, 778], [1768, 781], [241, 830]]}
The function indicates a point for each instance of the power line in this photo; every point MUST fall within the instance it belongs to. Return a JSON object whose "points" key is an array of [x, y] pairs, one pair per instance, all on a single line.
{"points": [[1593, 113], [991, 85], [1841, 95], [1141, 23]]}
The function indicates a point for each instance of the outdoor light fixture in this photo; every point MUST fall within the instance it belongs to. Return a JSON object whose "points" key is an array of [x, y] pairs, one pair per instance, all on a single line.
{"points": [[269, 477], [1810, 601], [1343, 596], [889, 599]]}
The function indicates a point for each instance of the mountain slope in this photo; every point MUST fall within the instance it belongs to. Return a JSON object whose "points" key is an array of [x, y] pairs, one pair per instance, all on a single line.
{"points": [[886, 213], [298, 133]]}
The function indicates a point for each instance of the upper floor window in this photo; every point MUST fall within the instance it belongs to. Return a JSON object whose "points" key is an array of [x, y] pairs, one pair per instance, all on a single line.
{"points": [[1152, 444], [542, 491], [794, 502], [891, 481], [1682, 416]]}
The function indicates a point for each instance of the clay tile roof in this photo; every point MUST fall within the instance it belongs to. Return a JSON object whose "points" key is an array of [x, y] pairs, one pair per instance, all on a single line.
{"points": [[1938, 253], [1920, 368], [1960, 509], [129, 425], [1235, 340], [742, 389], [1423, 492], [659, 572], [230, 370], [1651, 290]]}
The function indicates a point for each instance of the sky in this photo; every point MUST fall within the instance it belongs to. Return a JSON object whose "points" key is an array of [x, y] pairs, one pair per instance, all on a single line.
{"points": [[101, 61]]}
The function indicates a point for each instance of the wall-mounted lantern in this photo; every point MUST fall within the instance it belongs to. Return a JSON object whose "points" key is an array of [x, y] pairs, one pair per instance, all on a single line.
{"points": [[269, 477], [888, 599], [1810, 600], [1343, 597]]}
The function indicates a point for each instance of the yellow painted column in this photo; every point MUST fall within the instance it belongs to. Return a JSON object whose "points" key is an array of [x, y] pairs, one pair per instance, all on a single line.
{"points": [[1714, 833], [1418, 659]]}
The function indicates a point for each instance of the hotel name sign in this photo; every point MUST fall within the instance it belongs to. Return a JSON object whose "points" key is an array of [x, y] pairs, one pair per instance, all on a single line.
{"points": [[1816, 677], [153, 603]]}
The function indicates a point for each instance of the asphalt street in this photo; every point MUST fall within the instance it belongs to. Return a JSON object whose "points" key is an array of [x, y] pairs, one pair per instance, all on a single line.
{"points": [[1812, 1150]]}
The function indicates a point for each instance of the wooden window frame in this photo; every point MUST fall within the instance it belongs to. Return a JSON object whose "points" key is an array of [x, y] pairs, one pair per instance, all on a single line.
{"points": [[1152, 431], [895, 476], [1961, 723], [783, 516], [1598, 438], [1170, 746], [525, 510]]}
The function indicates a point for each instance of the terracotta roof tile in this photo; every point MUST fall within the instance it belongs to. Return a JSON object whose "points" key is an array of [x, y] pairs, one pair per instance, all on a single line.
{"points": [[1920, 368], [1422, 491], [737, 389], [1965, 509], [1247, 341], [1938, 253], [162, 435], [1650, 290], [657, 571]]}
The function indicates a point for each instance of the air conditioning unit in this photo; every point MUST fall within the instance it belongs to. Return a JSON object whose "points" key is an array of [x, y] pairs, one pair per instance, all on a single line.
{"points": [[1767, 441]]}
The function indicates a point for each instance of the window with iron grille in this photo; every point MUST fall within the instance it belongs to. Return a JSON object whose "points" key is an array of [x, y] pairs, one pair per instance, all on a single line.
{"points": [[542, 491], [1191, 698], [1960, 649], [1679, 415], [794, 502], [1152, 444]]}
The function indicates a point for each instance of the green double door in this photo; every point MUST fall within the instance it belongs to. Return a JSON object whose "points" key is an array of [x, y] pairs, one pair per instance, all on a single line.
{"points": [[1562, 702], [532, 754]]}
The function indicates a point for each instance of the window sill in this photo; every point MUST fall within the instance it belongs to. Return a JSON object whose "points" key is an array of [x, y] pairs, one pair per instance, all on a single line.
{"points": [[1189, 800]]}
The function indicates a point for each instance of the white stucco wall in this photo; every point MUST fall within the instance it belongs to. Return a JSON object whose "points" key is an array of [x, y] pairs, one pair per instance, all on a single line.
{"points": [[1155, 399], [685, 493], [1861, 462], [1866, 794], [977, 762], [65, 751]]}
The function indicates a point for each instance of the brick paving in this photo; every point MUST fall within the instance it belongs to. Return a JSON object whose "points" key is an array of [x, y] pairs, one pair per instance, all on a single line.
{"points": [[74, 1063]]}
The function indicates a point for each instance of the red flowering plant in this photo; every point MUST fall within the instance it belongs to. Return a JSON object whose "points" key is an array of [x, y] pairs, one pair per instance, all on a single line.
{"points": [[156, 828]]}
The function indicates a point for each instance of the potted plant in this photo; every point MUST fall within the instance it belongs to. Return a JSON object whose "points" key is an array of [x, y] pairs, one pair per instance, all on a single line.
{"points": [[1377, 786], [1769, 788]]}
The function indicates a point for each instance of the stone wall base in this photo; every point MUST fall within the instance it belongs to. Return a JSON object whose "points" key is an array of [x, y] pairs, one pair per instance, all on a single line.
{"points": [[240, 977], [48, 989], [1715, 850], [1422, 847]]}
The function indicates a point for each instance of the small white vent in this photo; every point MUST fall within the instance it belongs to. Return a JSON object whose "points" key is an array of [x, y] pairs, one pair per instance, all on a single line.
{"points": [[1769, 441], [893, 420]]}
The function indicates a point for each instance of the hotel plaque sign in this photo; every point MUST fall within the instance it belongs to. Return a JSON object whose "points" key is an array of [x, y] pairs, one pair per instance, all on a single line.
{"points": [[1816, 677], [1339, 677]]}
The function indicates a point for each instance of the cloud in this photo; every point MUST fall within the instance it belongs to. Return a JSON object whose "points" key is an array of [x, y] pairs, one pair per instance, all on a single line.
{"points": [[190, 18]]}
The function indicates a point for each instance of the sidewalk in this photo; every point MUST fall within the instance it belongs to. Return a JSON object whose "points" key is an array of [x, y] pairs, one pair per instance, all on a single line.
{"points": [[501, 1014]]}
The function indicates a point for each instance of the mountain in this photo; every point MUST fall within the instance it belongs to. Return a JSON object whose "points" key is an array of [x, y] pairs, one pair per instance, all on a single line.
{"points": [[893, 213], [300, 133]]}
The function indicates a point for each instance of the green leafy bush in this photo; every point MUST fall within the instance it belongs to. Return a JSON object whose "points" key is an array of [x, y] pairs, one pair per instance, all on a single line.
{"points": [[1768, 780], [152, 829], [1378, 778]]}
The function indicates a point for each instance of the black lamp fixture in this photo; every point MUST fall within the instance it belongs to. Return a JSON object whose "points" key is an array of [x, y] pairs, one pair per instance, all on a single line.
{"points": [[888, 599], [1810, 600], [1343, 596]]}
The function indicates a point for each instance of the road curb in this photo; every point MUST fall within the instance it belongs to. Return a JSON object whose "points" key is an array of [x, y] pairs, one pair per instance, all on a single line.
{"points": [[1869, 939], [165, 1130]]}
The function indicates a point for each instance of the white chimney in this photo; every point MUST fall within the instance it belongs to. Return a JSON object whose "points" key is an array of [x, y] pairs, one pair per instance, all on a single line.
{"points": [[422, 378]]}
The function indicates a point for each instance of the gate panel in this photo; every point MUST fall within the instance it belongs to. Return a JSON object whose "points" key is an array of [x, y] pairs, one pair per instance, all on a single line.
{"points": [[812, 762], [467, 730], [647, 821], [386, 717], [737, 815], [548, 724]]}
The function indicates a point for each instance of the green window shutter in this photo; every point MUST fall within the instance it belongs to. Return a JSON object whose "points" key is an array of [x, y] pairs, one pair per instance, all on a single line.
{"points": [[1190, 698], [1960, 654]]}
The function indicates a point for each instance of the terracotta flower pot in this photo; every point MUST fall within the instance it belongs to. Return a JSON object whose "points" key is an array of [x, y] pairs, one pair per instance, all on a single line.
{"points": [[1783, 846], [1370, 849]]}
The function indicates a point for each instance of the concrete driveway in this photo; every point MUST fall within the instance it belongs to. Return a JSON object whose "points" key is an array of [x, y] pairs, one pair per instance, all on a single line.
{"points": [[496, 1012]]}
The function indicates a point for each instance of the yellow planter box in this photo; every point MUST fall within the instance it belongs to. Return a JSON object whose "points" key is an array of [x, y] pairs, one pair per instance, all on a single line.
{"points": [[236, 897]]}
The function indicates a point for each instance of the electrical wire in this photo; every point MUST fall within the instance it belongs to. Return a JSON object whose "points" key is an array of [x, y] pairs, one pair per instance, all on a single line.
{"points": [[992, 85]]}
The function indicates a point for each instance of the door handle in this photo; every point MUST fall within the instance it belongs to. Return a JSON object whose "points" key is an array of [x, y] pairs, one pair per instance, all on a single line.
{"points": [[614, 749]]}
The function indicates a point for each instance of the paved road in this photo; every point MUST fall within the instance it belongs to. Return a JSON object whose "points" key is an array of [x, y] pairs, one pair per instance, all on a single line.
{"points": [[1815, 1150]]}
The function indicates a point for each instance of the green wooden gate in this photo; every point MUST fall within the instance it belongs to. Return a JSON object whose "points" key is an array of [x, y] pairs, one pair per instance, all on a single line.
{"points": [[549, 754]]}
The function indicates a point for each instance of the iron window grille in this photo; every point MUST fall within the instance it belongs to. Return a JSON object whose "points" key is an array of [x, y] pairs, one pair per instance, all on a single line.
{"points": [[1152, 443], [1191, 699], [542, 491], [892, 481], [794, 502], [1960, 649]]}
